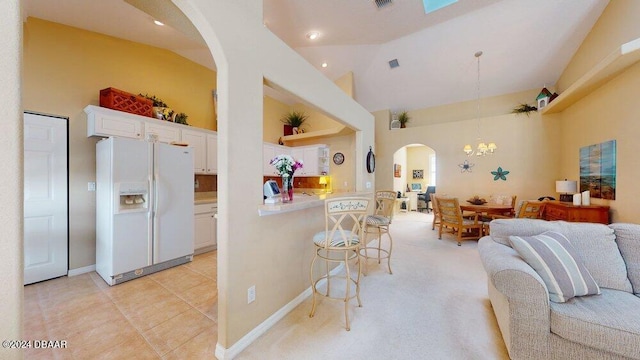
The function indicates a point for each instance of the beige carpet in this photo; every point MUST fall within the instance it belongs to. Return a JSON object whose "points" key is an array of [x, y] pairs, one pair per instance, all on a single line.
{"points": [[434, 306]]}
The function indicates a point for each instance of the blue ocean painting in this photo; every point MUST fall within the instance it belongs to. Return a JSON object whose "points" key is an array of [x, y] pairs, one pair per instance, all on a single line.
{"points": [[598, 170]]}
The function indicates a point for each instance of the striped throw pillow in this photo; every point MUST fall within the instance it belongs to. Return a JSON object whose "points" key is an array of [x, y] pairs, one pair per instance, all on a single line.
{"points": [[553, 257]]}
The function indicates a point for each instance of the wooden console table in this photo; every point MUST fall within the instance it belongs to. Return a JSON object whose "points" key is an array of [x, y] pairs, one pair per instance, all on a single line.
{"points": [[556, 210]]}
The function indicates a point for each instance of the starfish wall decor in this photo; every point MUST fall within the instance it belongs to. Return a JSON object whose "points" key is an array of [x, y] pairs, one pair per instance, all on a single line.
{"points": [[500, 174]]}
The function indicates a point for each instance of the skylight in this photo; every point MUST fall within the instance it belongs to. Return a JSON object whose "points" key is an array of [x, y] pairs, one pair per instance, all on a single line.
{"points": [[433, 5]]}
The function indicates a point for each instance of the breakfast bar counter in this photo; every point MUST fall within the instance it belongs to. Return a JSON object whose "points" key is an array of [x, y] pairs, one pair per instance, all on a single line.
{"points": [[302, 201]]}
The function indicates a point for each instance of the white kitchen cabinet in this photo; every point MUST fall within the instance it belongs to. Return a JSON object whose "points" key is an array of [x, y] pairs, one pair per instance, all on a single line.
{"points": [[106, 122], [197, 140], [270, 151], [212, 154], [314, 159], [166, 134], [205, 227]]}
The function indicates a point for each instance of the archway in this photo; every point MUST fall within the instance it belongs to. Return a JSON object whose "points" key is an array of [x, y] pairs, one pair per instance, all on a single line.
{"points": [[414, 170]]}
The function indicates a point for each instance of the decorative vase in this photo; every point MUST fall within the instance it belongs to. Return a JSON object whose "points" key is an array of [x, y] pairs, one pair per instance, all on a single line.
{"points": [[287, 189], [288, 130]]}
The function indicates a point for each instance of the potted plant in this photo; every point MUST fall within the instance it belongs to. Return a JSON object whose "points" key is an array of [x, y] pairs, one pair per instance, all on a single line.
{"points": [[161, 110], [524, 108], [403, 118], [181, 118], [293, 121]]}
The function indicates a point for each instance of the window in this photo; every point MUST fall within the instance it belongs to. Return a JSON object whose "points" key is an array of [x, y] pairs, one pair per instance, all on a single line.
{"points": [[432, 170]]}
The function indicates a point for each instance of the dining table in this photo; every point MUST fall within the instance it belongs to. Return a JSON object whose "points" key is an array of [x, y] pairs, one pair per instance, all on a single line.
{"points": [[487, 208]]}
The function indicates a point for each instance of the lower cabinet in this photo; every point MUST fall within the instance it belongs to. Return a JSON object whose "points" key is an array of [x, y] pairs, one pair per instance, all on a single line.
{"points": [[205, 228]]}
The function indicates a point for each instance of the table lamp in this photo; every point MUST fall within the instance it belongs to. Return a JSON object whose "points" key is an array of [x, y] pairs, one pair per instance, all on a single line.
{"points": [[567, 188], [323, 181]]}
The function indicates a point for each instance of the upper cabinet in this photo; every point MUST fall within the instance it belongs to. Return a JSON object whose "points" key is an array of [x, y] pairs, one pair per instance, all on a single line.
{"points": [[163, 133], [198, 141], [112, 123], [212, 154], [106, 122], [270, 151], [314, 158]]}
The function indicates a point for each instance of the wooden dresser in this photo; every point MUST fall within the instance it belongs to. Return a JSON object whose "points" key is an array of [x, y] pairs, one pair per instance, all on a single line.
{"points": [[556, 210]]}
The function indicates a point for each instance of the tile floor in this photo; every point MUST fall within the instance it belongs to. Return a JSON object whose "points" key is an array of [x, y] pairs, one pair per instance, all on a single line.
{"points": [[171, 314]]}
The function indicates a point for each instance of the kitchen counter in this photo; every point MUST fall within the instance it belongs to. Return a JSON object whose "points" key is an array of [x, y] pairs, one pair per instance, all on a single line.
{"points": [[301, 202], [207, 197]]}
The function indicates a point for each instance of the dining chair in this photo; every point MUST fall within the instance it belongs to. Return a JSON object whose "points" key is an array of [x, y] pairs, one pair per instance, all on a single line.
{"points": [[340, 243], [451, 218], [378, 224], [531, 210], [436, 211]]}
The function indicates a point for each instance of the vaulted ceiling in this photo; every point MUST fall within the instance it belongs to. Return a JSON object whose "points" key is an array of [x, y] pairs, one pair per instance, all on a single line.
{"points": [[526, 44]]}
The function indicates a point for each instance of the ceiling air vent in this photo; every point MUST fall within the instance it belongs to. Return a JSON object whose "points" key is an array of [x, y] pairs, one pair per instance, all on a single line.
{"points": [[394, 63], [382, 3]]}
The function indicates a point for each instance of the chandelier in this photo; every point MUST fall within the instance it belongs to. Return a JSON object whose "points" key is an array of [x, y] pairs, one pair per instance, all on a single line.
{"points": [[482, 149]]}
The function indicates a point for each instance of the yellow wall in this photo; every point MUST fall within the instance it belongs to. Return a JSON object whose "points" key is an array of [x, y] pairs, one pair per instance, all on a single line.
{"points": [[527, 147], [608, 113], [273, 111], [64, 70]]}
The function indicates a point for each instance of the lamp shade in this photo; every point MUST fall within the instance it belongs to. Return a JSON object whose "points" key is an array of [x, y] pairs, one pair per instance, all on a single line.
{"points": [[566, 186]]}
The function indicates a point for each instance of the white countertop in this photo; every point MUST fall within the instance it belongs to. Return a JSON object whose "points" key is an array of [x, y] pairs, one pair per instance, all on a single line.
{"points": [[301, 202]]}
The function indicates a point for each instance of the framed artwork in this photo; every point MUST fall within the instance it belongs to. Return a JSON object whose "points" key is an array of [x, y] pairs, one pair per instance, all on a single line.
{"points": [[396, 170], [598, 170], [418, 174]]}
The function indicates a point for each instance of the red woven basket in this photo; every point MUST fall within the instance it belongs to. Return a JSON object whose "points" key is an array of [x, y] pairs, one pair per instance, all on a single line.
{"points": [[115, 99]]}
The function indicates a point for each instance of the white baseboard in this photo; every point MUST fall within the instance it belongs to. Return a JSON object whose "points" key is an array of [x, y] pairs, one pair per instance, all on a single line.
{"points": [[235, 349], [82, 270]]}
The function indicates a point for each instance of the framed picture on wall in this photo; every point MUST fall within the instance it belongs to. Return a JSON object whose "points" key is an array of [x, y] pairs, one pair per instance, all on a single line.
{"points": [[598, 170], [396, 170], [418, 174]]}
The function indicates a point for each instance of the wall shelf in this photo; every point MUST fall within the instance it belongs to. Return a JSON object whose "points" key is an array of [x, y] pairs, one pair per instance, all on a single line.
{"points": [[611, 66], [314, 134]]}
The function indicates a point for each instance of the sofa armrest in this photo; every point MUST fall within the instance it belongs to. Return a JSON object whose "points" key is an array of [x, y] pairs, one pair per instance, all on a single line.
{"points": [[520, 301]]}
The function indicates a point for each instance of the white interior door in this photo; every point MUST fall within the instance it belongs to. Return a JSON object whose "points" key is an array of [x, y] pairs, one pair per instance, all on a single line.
{"points": [[45, 198]]}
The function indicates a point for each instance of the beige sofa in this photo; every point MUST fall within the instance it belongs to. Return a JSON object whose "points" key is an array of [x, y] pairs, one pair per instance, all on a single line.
{"points": [[605, 326]]}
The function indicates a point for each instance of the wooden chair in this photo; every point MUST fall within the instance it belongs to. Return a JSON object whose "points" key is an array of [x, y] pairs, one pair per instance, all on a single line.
{"points": [[340, 243], [378, 224], [436, 212], [451, 218], [531, 210]]}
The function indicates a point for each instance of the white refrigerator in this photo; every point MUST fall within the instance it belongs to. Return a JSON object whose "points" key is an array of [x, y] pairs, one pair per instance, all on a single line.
{"points": [[144, 208]]}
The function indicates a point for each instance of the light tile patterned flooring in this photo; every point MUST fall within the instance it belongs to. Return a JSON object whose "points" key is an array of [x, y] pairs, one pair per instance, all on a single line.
{"points": [[171, 314]]}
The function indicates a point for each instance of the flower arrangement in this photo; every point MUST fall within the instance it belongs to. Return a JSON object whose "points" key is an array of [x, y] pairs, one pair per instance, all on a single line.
{"points": [[286, 165]]}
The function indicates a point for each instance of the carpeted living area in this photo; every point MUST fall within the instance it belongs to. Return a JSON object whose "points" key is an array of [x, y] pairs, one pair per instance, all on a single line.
{"points": [[434, 306]]}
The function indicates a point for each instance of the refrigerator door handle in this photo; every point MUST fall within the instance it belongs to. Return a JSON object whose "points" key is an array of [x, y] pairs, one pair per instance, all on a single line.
{"points": [[151, 221], [156, 232]]}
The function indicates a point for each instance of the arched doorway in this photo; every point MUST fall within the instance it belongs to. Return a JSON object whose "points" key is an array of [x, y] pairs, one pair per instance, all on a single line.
{"points": [[414, 169]]}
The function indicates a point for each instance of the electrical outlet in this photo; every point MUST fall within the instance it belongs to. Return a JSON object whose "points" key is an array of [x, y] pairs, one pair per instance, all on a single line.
{"points": [[368, 184], [91, 186], [196, 184], [251, 294]]}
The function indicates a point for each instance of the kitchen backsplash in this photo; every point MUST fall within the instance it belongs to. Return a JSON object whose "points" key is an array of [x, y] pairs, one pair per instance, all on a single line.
{"points": [[302, 182], [206, 183]]}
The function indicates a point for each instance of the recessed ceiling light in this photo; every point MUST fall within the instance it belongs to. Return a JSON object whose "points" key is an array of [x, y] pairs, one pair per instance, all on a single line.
{"points": [[313, 35], [159, 23], [324, 65]]}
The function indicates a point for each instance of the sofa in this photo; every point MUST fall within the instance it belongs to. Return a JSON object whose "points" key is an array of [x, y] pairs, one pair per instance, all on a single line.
{"points": [[602, 326]]}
